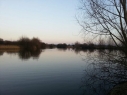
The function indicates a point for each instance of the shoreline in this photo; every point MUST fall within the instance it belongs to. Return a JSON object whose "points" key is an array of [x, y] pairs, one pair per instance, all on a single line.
{"points": [[10, 47], [18, 47]]}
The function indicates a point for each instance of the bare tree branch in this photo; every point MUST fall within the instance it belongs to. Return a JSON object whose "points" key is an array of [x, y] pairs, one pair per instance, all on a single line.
{"points": [[106, 17]]}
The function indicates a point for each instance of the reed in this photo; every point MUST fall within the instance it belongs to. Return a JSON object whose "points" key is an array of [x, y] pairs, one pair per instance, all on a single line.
{"points": [[10, 47]]}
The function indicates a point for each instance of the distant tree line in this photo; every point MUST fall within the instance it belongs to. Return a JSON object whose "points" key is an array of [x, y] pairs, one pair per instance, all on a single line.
{"points": [[36, 44], [25, 43], [91, 45]]}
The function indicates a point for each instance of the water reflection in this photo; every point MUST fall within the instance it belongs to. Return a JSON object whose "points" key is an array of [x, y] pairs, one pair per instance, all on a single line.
{"points": [[101, 72], [106, 74], [78, 51], [25, 55], [11, 52], [62, 49], [1, 53]]}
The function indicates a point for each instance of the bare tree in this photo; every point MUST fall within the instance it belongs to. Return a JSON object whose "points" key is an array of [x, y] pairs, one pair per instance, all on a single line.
{"points": [[106, 17]]}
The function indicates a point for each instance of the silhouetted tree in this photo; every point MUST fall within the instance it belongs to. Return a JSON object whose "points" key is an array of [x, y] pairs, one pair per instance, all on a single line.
{"points": [[77, 45], [24, 42], [30, 44], [35, 44], [1, 41], [61, 45], [43, 45], [107, 18], [51, 46]]}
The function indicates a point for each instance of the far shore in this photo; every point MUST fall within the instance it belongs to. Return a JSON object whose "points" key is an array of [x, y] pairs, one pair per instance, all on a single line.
{"points": [[35, 44]]}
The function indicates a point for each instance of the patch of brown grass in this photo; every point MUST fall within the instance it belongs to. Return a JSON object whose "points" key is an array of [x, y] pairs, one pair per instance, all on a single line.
{"points": [[9, 47]]}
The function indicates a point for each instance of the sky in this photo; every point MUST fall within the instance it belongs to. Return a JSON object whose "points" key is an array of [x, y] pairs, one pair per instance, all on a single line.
{"points": [[52, 21]]}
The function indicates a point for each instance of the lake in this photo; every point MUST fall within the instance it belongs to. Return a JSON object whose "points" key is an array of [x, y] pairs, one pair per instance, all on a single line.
{"points": [[60, 72]]}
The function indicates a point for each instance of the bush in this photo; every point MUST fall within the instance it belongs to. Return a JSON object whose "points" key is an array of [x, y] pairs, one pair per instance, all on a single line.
{"points": [[1, 41], [30, 44], [61, 45]]}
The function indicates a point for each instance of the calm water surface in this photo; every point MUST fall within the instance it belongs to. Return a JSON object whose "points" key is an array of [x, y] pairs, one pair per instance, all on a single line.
{"points": [[57, 72]]}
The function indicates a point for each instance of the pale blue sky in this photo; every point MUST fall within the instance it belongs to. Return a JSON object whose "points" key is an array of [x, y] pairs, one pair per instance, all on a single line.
{"points": [[53, 21]]}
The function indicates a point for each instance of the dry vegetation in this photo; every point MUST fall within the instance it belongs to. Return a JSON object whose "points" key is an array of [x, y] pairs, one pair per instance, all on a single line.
{"points": [[9, 47]]}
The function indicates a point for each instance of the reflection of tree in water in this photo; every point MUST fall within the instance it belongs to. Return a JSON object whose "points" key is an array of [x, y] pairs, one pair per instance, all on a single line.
{"points": [[24, 55], [105, 73], [77, 51], [62, 49], [1, 53], [10, 52]]}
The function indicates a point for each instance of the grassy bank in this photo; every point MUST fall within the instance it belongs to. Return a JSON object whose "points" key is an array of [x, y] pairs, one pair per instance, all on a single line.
{"points": [[10, 47]]}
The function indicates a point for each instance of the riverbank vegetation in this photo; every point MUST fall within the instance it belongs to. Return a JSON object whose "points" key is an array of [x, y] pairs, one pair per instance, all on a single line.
{"points": [[35, 44], [24, 43], [9, 47]]}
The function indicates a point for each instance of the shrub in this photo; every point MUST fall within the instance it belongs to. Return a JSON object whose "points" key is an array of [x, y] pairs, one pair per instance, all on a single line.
{"points": [[30, 44]]}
